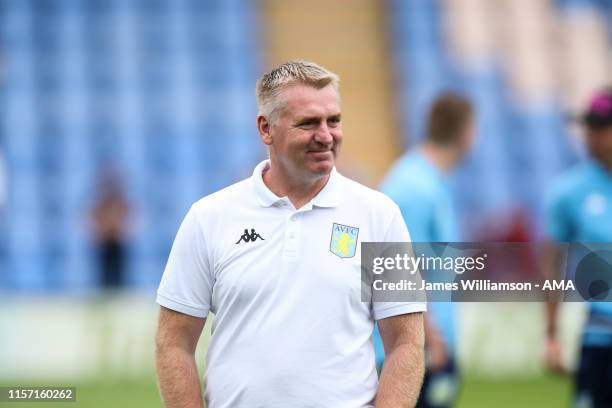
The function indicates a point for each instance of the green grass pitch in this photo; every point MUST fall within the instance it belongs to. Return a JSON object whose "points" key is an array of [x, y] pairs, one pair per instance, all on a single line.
{"points": [[540, 392]]}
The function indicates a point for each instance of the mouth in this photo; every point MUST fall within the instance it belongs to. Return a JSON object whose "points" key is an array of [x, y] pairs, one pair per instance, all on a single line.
{"points": [[320, 154]]}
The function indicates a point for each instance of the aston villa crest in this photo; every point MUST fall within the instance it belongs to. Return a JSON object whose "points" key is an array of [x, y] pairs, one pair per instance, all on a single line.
{"points": [[343, 241]]}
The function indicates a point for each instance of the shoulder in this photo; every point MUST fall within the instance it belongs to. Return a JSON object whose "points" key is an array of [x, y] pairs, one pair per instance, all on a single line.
{"points": [[374, 211], [240, 193], [409, 179], [570, 183], [360, 195]]}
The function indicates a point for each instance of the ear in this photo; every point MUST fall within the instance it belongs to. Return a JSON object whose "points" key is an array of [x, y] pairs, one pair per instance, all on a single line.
{"points": [[263, 126], [469, 136]]}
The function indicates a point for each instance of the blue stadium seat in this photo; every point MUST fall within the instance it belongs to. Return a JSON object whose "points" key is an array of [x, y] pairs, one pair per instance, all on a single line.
{"points": [[577, 3], [518, 151], [98, 83]]}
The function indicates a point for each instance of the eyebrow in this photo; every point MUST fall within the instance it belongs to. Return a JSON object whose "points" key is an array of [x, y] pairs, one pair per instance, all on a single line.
{"points": [[307, 119], [316, 118]]}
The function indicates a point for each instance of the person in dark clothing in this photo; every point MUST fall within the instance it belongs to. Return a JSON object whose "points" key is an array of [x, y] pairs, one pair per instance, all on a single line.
{"points": [[109, 219]]}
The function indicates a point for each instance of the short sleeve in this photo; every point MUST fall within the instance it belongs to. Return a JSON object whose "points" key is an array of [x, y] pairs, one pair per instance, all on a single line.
{"points": [[558, 221], [396, 232], [187, 283]]}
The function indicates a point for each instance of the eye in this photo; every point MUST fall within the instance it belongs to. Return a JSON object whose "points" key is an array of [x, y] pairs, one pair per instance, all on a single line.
{"points": [[307, 124], [333, 121]]}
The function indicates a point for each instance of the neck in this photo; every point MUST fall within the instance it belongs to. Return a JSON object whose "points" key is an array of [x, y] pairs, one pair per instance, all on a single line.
{"points": [[298, 191], [443, 158]]}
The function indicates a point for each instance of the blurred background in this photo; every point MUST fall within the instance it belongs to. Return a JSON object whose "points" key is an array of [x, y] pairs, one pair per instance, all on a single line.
{"points": [[116, 115]]}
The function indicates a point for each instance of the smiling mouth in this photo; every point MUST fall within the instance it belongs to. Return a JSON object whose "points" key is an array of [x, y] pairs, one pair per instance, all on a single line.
{"points": [[320, 152]]}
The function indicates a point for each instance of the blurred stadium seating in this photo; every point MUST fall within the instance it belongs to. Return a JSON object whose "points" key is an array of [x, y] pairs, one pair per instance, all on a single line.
{"points": [[162, 91], [527, 65]]}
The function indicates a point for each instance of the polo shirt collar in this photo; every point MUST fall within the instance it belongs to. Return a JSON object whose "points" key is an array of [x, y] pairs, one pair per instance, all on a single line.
{"points": [[265, 197], [327, 197]]}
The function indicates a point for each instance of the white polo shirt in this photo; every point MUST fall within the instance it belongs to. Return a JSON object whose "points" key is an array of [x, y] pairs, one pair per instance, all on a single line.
{"points": [[290, 329]]}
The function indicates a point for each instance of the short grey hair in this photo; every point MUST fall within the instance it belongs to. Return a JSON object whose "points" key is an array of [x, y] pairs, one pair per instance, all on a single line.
{"points": [[271, 84]]}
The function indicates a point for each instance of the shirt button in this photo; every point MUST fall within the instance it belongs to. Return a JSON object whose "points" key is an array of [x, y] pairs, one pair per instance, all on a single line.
{"points": [[294, 218], [291, 235]]}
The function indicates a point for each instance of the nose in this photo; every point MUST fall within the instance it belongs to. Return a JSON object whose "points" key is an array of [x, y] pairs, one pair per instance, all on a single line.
{"points": [[324, 135]]}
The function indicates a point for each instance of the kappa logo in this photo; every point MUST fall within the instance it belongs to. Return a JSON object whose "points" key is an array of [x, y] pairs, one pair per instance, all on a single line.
{"points": [[343, 241], [249, 237]]}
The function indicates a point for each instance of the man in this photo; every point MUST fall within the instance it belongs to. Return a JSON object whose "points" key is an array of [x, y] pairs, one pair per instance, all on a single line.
{"points": [[290, 329], [417, 183], [580, 210], [109, 220]]}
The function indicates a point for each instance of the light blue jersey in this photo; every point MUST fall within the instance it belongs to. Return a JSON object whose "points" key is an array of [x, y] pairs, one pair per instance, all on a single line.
{"points": [[423, 196], [580, 210]]}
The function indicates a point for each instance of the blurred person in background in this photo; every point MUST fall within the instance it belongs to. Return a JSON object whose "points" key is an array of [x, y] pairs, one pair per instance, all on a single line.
{"points": [[276, 258], [580, 210], [109, 217], [418, 183]]}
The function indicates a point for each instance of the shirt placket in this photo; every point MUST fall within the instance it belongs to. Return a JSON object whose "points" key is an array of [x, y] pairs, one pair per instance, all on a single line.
{"points": [[293, 230]]}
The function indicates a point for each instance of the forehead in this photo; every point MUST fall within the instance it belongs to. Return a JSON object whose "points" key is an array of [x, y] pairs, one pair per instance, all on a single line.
{"points": [[303, 100]]}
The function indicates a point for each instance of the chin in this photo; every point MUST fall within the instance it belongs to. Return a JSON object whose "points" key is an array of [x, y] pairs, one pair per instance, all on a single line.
{"points": [[322, 168]]}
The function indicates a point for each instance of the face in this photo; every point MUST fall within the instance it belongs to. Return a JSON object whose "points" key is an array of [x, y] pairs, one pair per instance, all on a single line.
{"points": [[599, 143], [468, 138], [305, 139]]}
